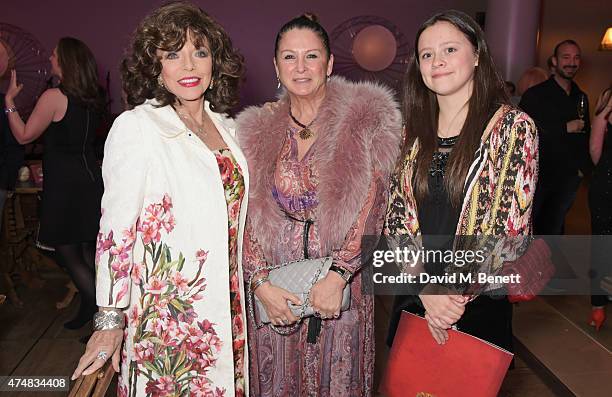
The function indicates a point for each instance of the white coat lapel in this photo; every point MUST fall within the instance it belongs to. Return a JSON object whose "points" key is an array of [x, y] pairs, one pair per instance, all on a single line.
{"points": [[227, 129]]}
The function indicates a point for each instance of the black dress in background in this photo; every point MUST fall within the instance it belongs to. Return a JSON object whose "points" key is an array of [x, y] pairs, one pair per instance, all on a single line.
{"points": [[600, 204], [484, 317], [72, 179]]}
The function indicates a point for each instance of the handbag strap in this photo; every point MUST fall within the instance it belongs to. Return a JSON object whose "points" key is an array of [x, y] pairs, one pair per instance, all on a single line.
{"points": [[307, 224]]}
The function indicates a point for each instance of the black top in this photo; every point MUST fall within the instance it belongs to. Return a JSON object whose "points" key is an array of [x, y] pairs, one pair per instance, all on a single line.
{"points": [[438, 218], [484, 317], [72, 180], [604, 165], [11, 152], [600, 191], [69, 144], [562, 154], [436, 215]]}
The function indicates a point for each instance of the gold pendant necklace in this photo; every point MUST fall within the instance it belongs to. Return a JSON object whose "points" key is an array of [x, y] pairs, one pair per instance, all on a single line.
{"points": [[305, 133]]}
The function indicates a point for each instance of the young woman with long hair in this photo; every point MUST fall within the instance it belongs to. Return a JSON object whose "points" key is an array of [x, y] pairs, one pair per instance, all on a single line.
{"points": [[468, 168]]}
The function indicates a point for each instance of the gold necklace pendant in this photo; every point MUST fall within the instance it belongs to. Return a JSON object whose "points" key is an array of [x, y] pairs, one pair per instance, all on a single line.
{"points": [[306, 133]]}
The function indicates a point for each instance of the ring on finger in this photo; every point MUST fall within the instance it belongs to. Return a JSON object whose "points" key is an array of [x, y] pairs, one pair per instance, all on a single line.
{"points": [[102, 356]]}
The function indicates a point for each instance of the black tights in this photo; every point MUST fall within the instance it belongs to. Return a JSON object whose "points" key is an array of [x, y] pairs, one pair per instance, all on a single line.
{"points": [[78, 260]]}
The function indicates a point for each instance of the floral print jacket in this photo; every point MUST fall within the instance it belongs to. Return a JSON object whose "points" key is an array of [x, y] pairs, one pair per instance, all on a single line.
{"points": [[498, 192], [163, 255]]}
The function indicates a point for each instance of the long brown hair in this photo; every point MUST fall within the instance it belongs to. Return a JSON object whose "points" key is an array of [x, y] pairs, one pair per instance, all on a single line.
{"points": [[166, 28], [605, 98], [79, 73], [421, 110]]}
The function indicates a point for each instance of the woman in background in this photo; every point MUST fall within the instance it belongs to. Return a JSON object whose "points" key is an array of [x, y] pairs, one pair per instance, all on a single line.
{"points": [[68, 116], [600, 202]]}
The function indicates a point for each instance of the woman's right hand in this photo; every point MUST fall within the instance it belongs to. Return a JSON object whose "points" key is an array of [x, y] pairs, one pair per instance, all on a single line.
{"points": [[13, 89], [108, 341], [443, 310], [274, 300]]}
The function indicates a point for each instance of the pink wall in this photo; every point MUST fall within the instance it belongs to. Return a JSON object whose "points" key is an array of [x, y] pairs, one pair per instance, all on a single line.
{"points": [[106, 26]]}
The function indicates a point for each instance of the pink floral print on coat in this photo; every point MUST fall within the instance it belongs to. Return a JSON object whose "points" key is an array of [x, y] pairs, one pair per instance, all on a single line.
{"points": [[173, 348]]}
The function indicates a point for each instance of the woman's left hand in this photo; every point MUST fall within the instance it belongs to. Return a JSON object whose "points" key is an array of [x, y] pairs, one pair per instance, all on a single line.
{"points": [[440, 335], [107, 342], [326, 295], [13, 88]]}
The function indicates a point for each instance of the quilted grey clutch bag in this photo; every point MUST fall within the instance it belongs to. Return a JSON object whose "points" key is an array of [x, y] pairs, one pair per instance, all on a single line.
{"points": [[298, 277]]}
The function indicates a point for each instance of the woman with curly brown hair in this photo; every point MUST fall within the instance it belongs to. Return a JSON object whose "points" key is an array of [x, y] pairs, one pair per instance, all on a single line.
{"points": [[173, 215]]}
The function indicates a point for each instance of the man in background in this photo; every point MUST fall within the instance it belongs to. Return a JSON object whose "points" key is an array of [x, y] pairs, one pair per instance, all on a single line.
{"points": [[561, 112]]}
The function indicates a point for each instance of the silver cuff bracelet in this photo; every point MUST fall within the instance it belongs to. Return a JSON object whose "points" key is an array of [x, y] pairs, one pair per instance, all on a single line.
{"points": [[104, 320]]}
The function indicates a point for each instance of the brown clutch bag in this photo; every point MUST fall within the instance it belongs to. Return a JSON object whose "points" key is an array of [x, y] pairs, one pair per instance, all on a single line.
{"points": [[94, 385]]}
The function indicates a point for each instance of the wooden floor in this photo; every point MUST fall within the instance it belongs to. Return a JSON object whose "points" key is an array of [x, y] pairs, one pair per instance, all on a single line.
{"points": [[572, 312], [33, 340], [578, 358]]}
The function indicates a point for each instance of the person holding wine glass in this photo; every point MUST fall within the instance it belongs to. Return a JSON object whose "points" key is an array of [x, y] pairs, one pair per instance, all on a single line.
{"points": [[560, 109]]}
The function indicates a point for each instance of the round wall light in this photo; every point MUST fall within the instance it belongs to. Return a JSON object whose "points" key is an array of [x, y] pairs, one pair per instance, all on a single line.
{"points": [[374, 48]]}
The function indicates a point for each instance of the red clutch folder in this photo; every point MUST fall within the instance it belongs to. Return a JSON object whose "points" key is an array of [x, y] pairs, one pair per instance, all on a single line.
{"points": [[464, 366]]}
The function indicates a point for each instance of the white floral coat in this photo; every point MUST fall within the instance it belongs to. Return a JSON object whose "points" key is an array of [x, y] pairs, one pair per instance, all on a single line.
{"points": [[162, 254]]}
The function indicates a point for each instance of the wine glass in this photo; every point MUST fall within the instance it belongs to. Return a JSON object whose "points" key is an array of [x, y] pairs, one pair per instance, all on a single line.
{"points": [[581, 109]]}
